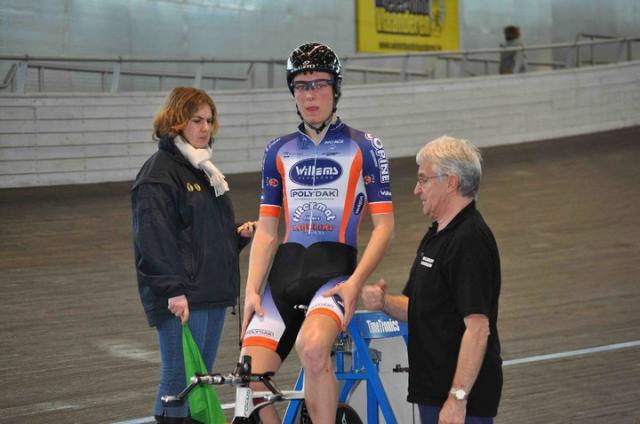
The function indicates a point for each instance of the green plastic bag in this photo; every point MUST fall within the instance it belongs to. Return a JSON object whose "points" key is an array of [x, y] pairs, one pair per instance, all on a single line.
{"points": [[204, 404]]}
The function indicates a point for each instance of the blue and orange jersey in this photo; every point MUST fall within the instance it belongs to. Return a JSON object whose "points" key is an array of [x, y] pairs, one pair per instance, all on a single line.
{"points": [[323, 190]]}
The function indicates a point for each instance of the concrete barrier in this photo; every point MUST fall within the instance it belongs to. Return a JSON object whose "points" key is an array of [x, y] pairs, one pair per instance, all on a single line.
{"points": [[51, 139]]}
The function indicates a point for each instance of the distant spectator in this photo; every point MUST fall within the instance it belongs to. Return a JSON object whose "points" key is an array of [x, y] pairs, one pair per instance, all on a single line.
{"points": [[512, 61]]}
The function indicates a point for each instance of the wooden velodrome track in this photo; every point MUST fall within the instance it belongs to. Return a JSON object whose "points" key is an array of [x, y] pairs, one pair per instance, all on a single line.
{"points": [[75, 347]]}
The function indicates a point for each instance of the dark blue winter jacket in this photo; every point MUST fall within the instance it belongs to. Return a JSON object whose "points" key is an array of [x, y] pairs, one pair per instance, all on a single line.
{"points": [[185, 239]]}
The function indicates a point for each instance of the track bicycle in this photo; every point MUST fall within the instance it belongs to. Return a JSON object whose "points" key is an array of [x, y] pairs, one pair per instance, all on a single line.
{"points": [[354, 362]]}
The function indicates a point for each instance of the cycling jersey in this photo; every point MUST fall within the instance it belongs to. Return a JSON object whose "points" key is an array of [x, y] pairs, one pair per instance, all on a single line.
{"points": [[325, 189]]}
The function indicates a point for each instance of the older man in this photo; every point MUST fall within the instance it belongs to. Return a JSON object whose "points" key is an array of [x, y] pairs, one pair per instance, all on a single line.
{"points": [[451, 297]]}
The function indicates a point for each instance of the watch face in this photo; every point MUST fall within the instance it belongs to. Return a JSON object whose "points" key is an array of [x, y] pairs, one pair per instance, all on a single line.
{"points": [[460, 394]]}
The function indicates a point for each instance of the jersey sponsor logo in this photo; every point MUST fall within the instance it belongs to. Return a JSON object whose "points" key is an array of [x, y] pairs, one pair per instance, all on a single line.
{"points": [[313, 206], [313, 227], [381, 157], [315, 171], [427, 261], [375, 141], [260, 332], [384, 192], [288, 154], [273, 182], [358, 205], [317, 193], [271, 144], [383, 164], [336, 141]]}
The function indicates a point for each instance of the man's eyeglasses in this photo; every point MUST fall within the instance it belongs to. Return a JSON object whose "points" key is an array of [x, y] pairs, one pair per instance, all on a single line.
{"points": [[423, 180], [319, 84]]}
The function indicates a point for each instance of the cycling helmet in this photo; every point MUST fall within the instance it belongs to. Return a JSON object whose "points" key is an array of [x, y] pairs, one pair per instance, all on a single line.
{"points": [[315, 57]]}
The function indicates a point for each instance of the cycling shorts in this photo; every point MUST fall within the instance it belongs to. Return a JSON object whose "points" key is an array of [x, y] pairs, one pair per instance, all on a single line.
{"points": [[299, 276], [278, 328]]}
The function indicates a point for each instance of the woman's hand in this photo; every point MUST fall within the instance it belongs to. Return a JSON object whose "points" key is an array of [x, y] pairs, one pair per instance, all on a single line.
{"points": [[179, 307], [247, 229]]}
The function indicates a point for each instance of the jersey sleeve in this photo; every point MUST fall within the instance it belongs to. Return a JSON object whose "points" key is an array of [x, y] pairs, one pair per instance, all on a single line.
{"points": [[271, 197], [375, 172]]}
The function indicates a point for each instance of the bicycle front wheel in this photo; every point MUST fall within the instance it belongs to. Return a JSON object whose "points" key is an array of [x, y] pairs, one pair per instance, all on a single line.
{"points": [[344, 415], [347, 415]]}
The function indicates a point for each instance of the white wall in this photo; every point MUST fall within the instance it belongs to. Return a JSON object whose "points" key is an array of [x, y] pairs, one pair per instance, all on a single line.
{"points": [[87, 138], [267, 28], [246, 29]]}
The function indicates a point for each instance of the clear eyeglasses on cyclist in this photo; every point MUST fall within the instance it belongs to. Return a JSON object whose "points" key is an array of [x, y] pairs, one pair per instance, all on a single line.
{"points": [[319, 84], [423, 180]]}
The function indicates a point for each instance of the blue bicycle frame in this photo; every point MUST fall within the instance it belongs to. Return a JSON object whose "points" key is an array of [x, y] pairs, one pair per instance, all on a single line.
{"points": [[364, 327]]}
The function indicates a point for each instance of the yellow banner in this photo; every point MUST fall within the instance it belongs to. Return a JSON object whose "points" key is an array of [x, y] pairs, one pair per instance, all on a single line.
{"points": [[396, 26]]}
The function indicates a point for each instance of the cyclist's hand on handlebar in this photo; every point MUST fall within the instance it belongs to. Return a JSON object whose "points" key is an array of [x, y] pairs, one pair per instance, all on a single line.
{"points": [[179, 307], [373, 295], [349, 292], [252, 304]]}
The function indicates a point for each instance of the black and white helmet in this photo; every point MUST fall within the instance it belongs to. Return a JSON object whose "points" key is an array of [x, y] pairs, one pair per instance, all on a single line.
{"points": [[315, 57]]}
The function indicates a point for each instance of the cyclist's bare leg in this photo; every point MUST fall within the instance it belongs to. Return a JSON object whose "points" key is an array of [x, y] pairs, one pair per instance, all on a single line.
{"points": [[314, 343], [263, 360]]}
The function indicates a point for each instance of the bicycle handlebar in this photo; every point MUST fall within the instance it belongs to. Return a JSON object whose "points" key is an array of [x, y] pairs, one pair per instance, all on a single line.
{"points": [[242, 376]]}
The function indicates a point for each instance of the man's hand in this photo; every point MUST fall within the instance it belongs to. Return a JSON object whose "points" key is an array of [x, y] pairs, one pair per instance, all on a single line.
{"points": [[252, 304], [373, 295], [348, 291], [453, 411], [179, 307]]}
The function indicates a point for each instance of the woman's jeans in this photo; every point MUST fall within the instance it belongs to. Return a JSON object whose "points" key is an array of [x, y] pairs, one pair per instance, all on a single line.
{"points": [[429, 415], [206, 328]]}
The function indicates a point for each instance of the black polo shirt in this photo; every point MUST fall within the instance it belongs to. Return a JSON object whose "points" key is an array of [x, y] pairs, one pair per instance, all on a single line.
{"points": [[456, 273]]}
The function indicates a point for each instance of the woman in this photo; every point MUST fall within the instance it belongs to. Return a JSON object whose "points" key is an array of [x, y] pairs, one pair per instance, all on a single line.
{"points": [[185, 240]]}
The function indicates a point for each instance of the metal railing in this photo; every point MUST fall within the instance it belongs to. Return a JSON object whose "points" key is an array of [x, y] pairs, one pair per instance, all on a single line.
{"points": [[363, 67]]}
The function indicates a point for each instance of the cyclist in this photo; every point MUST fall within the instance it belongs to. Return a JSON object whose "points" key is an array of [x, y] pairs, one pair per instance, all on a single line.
{"points": [[321, 178]]}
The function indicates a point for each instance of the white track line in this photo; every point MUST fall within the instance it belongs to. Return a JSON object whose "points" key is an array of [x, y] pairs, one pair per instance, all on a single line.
{"points": [[527, 360], [145, 420], [571, 353]]}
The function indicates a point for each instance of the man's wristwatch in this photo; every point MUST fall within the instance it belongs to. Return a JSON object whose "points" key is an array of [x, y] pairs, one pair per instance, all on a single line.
{"points": [[458, 394]]}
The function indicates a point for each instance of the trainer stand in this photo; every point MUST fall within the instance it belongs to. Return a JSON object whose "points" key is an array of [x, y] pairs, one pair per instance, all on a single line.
{"points": [[363, 328]]}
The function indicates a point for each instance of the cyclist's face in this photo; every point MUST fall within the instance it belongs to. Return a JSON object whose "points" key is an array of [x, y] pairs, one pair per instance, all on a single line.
{"points": [[315, 103]]}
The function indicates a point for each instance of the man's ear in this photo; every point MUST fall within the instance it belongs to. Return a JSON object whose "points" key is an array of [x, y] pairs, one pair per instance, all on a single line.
{"points": [[453, 182]]}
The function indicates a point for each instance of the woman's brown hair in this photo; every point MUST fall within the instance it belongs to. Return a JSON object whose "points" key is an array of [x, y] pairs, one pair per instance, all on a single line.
{"points": [[179, 107]]}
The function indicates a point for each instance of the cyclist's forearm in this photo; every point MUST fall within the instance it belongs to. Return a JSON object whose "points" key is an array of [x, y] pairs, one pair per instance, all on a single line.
{"points": [[380, 240], [263, 248], [396, 306]]}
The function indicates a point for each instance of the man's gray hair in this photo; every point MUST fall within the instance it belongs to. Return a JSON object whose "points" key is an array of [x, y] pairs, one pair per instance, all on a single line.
{"points": [[453, 156]]}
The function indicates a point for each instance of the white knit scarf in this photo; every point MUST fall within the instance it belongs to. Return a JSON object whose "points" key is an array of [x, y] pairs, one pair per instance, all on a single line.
{"points": [[201, 159]]}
